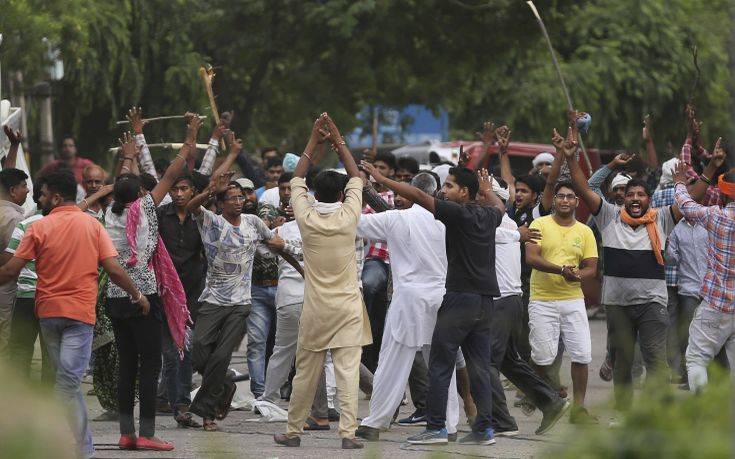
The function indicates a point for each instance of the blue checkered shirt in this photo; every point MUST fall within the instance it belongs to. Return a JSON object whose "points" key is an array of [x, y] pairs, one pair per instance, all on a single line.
{"points": [[664, 196]]}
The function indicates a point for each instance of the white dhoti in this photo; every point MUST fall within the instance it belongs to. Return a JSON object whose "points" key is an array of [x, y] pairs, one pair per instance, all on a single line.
{"points": [[389, 384]]}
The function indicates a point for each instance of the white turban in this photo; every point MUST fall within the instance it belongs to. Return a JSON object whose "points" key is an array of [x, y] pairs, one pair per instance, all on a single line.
{"points": [[442, 171], [620, 179], [543, 157], [502, 193], [667, 172]]}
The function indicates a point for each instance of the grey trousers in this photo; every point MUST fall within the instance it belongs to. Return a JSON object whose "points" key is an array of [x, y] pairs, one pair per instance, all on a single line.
{"points": [[284, 351]]}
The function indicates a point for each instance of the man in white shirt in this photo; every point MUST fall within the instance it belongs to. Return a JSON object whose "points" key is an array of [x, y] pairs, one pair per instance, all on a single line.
{"points": [[419, 267], [508, 329]]}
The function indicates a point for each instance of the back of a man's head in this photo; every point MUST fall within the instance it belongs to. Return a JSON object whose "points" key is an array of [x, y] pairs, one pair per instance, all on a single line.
{"points": [[426, 183], [10, 178], [328, 186], [62, 183]]}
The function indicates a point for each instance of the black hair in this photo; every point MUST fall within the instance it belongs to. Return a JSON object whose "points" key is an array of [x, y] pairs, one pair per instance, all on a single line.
{"points": [[161, 164], [12, 177], [265, 150], [636, 165], [409, 164], [149, 182], [466, 178], [638, 182], [126, 190], [221, 196], [328, 185], [564, 184], [64, 183], [533, 182], [67, 136], [386, 157], [37, 188], [285, 177], [199, 180], [274, 162], [184, 177], [311, 175]]}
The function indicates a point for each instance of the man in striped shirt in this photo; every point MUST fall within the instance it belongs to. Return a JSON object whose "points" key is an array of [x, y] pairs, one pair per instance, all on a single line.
{"points": [[634, 285], [713, 326]]}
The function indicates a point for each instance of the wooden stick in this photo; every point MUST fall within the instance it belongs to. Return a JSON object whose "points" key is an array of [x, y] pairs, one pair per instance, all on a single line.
{"points": [[158, 118], [172, 146], [559, 74], [207, 75]]}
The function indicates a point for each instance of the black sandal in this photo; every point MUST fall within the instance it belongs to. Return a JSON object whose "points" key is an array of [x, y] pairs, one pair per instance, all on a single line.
{"points": [[186, 420]]}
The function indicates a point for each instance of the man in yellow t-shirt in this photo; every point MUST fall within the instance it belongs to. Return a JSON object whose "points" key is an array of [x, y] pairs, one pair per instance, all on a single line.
{"points": [[566, 253]]}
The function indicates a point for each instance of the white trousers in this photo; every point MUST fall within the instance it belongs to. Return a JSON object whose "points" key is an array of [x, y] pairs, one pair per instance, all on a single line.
{"points": [[389, 384], [709, 332]]}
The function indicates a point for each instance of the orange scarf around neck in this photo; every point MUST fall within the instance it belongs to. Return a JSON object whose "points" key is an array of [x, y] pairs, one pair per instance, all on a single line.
{"points": [[648, 219]]}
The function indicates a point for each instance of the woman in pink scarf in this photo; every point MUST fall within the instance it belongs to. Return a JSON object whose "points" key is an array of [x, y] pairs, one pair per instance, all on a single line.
{"points": [[132, 224]]}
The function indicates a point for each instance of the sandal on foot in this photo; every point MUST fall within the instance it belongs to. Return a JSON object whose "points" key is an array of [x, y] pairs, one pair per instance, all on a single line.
{"points": [[210, 426], [186, 420]]}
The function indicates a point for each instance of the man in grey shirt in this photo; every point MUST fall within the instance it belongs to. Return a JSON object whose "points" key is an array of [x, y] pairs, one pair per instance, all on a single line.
{"points": [[13, 193]]}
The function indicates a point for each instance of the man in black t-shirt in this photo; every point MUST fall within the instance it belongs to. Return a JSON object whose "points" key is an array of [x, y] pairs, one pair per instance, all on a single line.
{"points": [[465, 317]]}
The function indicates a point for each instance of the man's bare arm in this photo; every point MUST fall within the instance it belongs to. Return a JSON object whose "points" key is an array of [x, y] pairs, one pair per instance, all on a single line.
{"points": [[592, 199], [15, 137], [409, 192]]}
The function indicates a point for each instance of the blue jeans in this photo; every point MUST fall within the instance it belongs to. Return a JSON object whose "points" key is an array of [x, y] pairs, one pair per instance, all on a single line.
{"points": [[262, 315], [374, 282], [177, 373], [69, 344]]}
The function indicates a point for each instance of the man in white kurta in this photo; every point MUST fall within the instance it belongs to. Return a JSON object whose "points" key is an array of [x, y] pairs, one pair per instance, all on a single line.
{"points": [[419, 267]]}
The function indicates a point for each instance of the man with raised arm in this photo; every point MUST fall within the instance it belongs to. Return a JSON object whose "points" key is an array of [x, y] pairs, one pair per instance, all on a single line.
{"points": [[333, 315], [465, 316], [634, 285]]}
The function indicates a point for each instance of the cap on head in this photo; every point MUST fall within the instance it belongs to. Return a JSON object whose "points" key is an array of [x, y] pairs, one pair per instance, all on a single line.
{"points": [[543, 157], [245, 183]]}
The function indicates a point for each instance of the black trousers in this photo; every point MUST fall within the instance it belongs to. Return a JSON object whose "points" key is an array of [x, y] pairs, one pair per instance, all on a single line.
{"points": [[138, 341], [650, 322], [217, 332], [464, 320], [23, 333], [507, 333], [418, 383]]}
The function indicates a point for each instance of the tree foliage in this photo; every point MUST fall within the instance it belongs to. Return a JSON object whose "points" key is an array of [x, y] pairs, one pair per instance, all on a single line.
{"points": [[280, 62]]}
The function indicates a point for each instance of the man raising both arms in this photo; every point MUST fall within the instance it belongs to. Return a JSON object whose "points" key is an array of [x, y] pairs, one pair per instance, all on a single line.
{"points": [[465, 316]]}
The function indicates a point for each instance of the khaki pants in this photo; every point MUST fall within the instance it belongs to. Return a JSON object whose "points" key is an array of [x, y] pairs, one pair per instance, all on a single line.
{"points": [[309, 368]]}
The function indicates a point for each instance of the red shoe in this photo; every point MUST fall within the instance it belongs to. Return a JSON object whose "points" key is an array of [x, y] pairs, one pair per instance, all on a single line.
{"points": [[127, 442], [154, 444]]}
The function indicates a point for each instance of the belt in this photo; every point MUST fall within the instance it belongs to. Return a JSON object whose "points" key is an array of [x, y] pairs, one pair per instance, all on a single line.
{"points": [[266, 283]]}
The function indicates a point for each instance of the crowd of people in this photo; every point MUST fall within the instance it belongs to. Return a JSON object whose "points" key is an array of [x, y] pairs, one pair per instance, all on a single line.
{"points": [[442, 278]]}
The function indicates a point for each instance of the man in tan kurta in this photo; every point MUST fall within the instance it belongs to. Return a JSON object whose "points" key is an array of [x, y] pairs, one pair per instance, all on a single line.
{"points": [[334, 316]]}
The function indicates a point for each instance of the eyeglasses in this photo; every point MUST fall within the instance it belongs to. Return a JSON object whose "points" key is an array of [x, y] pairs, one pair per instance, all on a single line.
{"points": [[565, 197]]}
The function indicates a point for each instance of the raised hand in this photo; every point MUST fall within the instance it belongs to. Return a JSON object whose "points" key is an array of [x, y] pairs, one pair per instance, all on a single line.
{"points": [[464, 157], [135, 118], [220, 130], [486, 183], [557, 140], [319, 132], [718, 154], [647, 123], [680, 172], [193, 124], [621, 160], [331, 128], [220, 183], [570, 143], [127, 145], [15, 137], [502, 134], [371, 170], [234, 143], [488, 133]]}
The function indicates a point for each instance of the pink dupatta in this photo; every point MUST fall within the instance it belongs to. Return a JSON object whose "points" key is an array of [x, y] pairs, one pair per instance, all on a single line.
{"points": [[169, 285]]}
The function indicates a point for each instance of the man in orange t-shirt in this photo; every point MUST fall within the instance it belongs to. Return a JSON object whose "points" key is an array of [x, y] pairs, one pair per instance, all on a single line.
{"points": [[68, 246]]}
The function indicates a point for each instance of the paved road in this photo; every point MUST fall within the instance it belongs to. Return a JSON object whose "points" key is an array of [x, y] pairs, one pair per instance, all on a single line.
{"points": [[241, 437]]}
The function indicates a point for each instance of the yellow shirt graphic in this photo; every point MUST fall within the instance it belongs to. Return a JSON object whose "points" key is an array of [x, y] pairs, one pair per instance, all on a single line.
{"points": [[561, 245]]}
